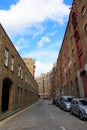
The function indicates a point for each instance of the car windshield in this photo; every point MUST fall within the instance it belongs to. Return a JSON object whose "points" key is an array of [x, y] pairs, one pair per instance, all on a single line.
{"points": [[84, 102], [68, 99]]}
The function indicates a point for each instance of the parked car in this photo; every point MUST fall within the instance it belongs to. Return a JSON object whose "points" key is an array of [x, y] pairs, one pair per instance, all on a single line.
{"points": [[79, 107], [65, 102], [54, 100], [57, 102]]}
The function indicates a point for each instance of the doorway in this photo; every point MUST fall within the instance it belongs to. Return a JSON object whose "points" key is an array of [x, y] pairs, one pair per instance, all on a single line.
{"points": [[5, 94]]}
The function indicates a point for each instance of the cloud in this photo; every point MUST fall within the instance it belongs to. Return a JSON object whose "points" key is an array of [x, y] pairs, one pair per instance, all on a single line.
{"points": [[27, 13], [45, 55], [22, 44], [28, 17], [43, 41], [42, 68]]}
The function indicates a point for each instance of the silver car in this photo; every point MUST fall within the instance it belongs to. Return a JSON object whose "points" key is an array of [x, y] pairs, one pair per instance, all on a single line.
{"points": [[65, 102], [79, 107]]}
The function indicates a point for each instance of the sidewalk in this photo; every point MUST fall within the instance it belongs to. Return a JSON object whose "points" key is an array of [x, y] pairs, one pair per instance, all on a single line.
{"points": [[8, 114]]}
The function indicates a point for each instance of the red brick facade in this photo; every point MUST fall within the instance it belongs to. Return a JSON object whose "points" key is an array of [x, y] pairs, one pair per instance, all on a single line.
{"points": [[72, 60]]}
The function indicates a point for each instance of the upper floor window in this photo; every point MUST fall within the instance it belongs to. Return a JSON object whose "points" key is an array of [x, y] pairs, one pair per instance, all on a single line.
{"points": [[75, 67], [84, 10], [77, 36], [19, 70], [21, 73], [12, 63], [26, 62], [26, 78], [6, 57], [80, 0], [0, 44], [86, 28], [73, 52]]}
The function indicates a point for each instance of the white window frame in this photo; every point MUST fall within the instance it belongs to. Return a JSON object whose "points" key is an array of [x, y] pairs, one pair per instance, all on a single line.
{"points": [[19, 70], [6, 54], [12, 63], [84, 10]]}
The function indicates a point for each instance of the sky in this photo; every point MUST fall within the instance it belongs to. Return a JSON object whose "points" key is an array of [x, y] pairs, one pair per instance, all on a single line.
{"points": [[36, 28]]}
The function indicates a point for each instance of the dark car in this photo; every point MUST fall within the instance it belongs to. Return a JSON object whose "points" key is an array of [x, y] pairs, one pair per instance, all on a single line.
{"points": [[65, 102], [57, 102], [79, 107]]}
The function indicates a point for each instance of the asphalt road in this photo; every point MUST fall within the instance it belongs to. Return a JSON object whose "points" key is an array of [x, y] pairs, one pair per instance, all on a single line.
{"points": [[43, 116]]}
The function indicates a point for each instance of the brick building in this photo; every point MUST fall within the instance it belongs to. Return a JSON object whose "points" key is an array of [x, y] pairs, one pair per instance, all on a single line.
{"points": [[30, 63], [18, 88], [72, 60], [44, 85]]}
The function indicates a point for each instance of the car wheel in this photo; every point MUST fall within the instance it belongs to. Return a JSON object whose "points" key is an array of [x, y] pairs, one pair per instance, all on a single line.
{"points": [[64, 108], [71, 111], [81, 116]]}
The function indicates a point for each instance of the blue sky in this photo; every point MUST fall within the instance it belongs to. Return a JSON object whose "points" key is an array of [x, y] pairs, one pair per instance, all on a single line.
{"points": [[36, 28]]}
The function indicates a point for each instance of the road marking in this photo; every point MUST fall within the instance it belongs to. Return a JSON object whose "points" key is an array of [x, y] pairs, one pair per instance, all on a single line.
{"points": [[62, 127], [52, 117]]}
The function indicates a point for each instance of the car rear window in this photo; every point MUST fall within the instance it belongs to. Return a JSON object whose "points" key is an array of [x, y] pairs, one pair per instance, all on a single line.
{"points": [[84, 102]]}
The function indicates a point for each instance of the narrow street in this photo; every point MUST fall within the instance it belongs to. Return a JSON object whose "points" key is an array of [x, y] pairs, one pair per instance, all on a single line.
{"points": [[43, 116]]}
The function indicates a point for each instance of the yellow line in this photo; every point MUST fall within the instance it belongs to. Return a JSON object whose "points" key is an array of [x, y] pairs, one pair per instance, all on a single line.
{"points": [[10, 117]]}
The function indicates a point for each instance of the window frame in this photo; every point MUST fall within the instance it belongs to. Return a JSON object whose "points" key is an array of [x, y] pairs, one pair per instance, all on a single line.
{"points": [[6, 57], [12, 63], [84, 10]]}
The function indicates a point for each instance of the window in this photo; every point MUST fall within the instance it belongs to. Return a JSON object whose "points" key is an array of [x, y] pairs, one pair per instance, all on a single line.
{"points": [[22, 73], [86, 28], [73, 52], [80, 1], [70, 72], [84, 10], [19, 71], [6, 57], [26, 78], [77, 36], [26, 62], [74, 20], [75, 67], [81, 60], [71, 84], [67, 48], [12, 63], [0, 44], [71, 39]]}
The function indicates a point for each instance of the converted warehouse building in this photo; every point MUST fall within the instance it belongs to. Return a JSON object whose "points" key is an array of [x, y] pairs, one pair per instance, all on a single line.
{"points": [[18, 88]]}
